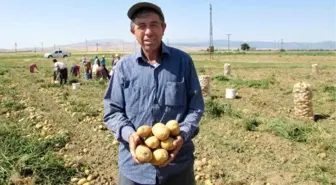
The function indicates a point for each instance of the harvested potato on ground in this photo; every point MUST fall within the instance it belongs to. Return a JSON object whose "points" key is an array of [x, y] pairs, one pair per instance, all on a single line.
{"points": [[160, 131], [143, 154], [174, 127], [159, 156], [152, 142], [168, 144], [144, 131]]}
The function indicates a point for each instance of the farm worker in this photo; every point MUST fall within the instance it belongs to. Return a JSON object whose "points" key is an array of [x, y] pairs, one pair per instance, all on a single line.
{"points": [[102, 73], [102, 61], [83, 62], [60, 70], [113, 58], [96, 61], [155, 84], [103, 65], [75, 70], [95, 67], [88, 70], [116, 59], [32, 68]]}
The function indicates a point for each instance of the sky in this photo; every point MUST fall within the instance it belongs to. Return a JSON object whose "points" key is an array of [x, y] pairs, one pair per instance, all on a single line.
{"points": [[30, 23]]}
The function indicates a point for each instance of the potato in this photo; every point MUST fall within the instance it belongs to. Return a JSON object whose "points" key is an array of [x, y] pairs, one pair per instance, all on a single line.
{"points": [[168, 144], [160, 156], [152, 142], [144, 131], [143, 154], [160, 131], [82, 181], [173, 127]]}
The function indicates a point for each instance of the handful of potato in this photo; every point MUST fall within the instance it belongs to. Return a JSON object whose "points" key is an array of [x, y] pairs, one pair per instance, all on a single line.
{"points": [[158, 142]]}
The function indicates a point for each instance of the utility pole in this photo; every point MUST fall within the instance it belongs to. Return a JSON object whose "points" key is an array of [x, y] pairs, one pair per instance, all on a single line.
{"points": [[86, 45], [15, 47], [211, 47], [229, 41], [54, 46], [281, 44], [97, 46], [275, 45], [42, 46]]}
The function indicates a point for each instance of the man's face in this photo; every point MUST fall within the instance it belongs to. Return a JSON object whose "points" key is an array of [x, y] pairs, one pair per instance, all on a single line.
{"points": [[148, 31]]}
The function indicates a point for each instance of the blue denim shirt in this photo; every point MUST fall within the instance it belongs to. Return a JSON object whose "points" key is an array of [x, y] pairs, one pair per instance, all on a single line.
{"points": [[143, 94]]}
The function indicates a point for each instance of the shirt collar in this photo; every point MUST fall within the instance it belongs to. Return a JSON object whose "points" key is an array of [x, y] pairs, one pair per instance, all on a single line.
{"points": [[164, 51]]}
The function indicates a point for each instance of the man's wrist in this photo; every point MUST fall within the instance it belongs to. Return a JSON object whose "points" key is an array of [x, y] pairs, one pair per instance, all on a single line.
{"points": [[126, 132]]}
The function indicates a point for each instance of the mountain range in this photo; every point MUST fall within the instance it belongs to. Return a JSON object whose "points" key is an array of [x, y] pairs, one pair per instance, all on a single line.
{"points": [[120, 45]]}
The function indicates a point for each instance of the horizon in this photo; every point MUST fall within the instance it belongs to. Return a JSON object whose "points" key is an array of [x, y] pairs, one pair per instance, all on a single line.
{"points": [[29, 24]]}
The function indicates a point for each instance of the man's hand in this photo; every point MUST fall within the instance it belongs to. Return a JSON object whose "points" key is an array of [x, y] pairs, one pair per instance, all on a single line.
{"points": [[177, 144], [134, 140]]}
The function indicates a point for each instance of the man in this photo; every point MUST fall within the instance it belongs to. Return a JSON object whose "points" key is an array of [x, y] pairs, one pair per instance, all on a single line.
{"points": [[61, 71], [155, 84]]}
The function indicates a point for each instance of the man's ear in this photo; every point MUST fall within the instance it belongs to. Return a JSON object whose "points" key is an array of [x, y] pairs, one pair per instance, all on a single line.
{"points": [[164, 26], [132, 30]]}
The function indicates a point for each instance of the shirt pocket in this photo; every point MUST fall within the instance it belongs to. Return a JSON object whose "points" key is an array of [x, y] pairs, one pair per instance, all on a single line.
{"points": [[132, 96], [175, 94]]}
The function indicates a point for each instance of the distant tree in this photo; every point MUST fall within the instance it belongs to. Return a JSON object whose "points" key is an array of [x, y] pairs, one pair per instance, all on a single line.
{"points": [[245, 47]]}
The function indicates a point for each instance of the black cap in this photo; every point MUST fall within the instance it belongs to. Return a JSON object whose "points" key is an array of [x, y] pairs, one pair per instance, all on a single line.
{"points": [[142, 5]]}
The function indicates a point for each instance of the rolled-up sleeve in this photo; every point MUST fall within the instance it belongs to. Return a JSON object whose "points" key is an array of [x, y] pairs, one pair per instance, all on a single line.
{"points": [[190, 125], [114, 108]]}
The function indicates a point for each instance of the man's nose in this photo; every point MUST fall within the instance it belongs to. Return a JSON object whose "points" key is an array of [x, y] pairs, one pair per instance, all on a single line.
{"points": [[148, 31]]}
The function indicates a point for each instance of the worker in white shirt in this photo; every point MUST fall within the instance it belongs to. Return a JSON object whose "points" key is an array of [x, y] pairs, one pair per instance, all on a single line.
{"points": [[60, 71]]}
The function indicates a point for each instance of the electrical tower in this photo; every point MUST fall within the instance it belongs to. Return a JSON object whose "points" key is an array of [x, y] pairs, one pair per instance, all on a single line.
{"points": [[229, 41], [97, 46], [15, 47], [211, 47], [42, 46]]}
